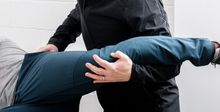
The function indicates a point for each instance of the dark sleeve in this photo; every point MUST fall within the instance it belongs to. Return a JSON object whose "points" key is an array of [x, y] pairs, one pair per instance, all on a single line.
{"points": [[149, 75], [68, 31], [147, 20]]}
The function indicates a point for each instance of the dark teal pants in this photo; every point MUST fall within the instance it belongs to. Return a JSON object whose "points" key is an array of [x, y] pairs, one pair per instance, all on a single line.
{"points": [[50, 82]]}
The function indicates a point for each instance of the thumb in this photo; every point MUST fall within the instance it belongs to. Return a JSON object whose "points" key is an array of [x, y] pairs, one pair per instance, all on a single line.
{"points": [[117, 54]]}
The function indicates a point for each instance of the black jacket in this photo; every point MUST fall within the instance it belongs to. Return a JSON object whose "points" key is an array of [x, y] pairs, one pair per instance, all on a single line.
{"points": [[107, 22]]}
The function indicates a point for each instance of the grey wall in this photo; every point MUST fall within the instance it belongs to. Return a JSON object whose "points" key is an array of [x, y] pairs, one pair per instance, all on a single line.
{"points": [[199, 87]]}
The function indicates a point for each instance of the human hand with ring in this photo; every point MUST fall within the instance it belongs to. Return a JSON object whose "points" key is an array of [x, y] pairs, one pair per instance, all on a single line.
{"points": [[118, 71]]}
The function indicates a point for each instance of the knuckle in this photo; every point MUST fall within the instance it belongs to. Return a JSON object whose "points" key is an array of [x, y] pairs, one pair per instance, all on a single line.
{"points": [[100, 71]]}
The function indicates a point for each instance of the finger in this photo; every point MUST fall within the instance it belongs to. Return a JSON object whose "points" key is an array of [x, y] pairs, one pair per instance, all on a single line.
{"points": [[46, 49], [95, 69], [42, 49], [100, 81], [103, 63], [52, 50], [94, 76]]}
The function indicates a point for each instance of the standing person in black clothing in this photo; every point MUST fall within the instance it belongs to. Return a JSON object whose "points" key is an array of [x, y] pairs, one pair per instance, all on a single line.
{"points": [[107, 22]]}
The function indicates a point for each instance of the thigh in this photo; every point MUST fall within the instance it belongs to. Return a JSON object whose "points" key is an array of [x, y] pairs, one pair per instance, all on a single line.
{"points": [[52, 79], [39, 108]]}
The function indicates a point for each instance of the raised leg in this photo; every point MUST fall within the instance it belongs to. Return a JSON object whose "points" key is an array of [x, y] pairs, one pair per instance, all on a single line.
{"points": [[163, 50]]}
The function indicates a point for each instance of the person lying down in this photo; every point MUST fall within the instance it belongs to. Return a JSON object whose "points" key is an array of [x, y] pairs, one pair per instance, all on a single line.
{"points": [[49, 81]]}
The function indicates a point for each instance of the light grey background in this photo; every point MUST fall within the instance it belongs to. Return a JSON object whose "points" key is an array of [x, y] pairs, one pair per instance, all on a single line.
{"points": [[32, 22], [199, 87]]}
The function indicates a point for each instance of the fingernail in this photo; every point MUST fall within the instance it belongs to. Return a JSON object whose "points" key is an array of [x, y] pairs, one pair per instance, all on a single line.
{"points": [[87, 73], [87, 64], [94, 56]]}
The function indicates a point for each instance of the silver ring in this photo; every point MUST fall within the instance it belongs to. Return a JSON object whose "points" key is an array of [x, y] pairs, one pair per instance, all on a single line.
{"points": [[103, 78]]}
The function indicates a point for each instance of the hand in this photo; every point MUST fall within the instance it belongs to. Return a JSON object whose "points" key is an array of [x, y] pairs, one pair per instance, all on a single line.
{"points": [[118, 71], [49, 48]]}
